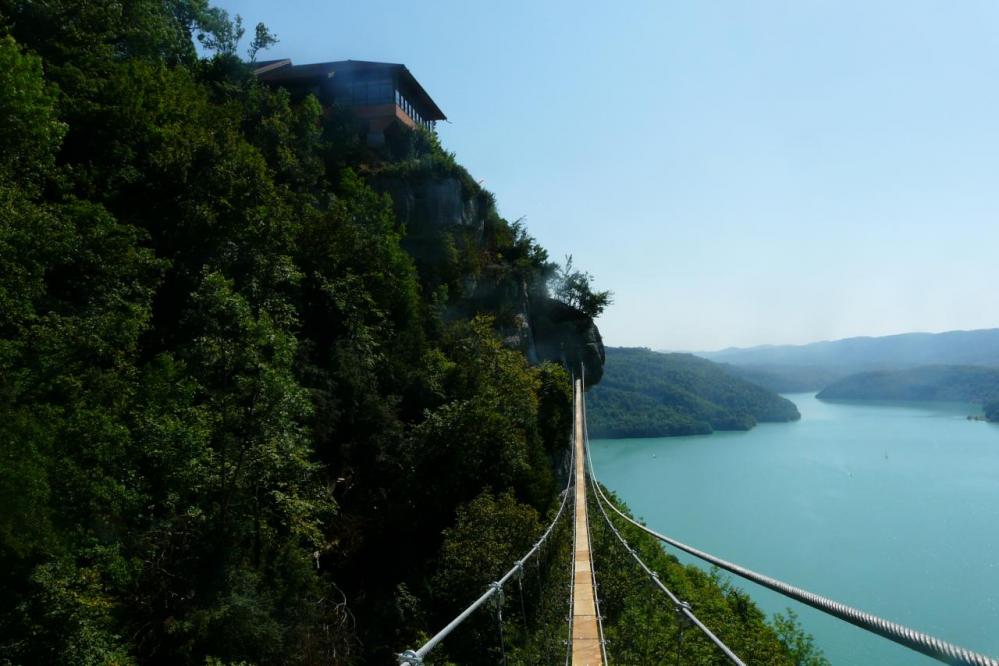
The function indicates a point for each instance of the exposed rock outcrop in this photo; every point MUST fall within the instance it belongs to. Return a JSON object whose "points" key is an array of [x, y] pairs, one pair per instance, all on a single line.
{"points": [[441, 201], [430, 203], [564, 334]]}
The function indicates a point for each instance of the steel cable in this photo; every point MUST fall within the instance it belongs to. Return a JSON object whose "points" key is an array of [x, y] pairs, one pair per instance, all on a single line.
{"points": [[940, 650], [416, 657], [572, 558], [589, 534], [681, 607]]}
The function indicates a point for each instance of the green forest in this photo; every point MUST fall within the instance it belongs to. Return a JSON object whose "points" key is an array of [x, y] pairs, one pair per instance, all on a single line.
{"points": [[251, 413], [953, 383], [228, 388], [651, 394], [787, 378]]}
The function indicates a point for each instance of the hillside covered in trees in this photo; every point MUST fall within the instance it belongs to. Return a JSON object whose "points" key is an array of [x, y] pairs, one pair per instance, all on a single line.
{"points": [[258, 405], [787, 378], [651, 394], [952, 383], [228, 377]]}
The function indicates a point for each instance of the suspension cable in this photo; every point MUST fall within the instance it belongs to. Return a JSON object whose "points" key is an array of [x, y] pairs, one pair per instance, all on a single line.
{"points": [[596, 597], [681, 607], [415, 657], [940, 650], [572, 559], [589, 533]]}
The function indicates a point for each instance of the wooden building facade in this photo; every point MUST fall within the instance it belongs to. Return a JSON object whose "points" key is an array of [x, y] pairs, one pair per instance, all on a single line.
{"points": [[378, 93]]}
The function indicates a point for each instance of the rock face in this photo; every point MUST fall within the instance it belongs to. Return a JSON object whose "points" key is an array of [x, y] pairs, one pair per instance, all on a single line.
{"points": [[564, 334], [440, 200], [429, 204]]}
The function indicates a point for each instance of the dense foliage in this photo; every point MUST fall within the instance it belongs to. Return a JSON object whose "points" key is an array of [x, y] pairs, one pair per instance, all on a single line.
{"points": [[249, 411], [575, 288], [238, 421], [642, 627], [649, 394], [937, 382]]}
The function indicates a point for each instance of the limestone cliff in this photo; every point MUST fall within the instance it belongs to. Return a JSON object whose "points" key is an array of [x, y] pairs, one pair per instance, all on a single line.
{"points": [[564, 334], [442, 201], [447, 214]]}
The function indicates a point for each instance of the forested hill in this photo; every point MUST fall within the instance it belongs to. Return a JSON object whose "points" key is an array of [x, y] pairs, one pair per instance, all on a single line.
{"points": [[244, 400], [941, 382], [787, 378], [268, 395], [651, 394]]}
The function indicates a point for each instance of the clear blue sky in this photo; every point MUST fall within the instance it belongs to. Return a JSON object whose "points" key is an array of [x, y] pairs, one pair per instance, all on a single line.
{"points": [[737, 172]]}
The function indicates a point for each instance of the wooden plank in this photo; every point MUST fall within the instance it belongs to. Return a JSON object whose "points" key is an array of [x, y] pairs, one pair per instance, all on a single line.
{"points": [[586, 650]]}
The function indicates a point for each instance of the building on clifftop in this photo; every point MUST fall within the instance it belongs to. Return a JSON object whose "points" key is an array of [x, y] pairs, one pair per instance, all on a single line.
{"points": [[378, 93]]}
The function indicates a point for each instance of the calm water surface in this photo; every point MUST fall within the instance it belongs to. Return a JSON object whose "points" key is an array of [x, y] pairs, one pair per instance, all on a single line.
{"points": [[889, 507]]}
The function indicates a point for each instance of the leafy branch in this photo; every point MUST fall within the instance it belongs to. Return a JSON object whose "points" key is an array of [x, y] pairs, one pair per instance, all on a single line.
{"points": [[575, 289]]}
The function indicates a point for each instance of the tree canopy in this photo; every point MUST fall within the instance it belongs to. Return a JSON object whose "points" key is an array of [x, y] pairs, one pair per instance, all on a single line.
{"points": [[575, 288], [221, 369]]}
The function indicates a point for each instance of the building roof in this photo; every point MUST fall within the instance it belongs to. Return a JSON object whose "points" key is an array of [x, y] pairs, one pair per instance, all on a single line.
{"points": [[282, 72], [261, 66]]}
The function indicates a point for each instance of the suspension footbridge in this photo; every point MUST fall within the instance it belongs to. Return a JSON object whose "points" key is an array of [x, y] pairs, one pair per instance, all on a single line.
{"points": [[585, 643], [588, 645]]}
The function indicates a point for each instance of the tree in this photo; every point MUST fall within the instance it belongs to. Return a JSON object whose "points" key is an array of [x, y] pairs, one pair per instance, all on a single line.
{"points": [[800, 645], [30, 132], [575, 288]]}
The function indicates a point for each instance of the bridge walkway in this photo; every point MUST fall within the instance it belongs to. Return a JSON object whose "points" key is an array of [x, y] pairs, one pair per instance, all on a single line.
{"points": [[586, 636]]}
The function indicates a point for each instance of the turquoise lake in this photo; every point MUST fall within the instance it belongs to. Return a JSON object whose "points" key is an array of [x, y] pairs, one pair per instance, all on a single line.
{"points": [[889, 507]]}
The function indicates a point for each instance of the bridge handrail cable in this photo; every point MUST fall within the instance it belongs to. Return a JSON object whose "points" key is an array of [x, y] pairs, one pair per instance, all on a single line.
{"points": [[589, 533], [940, 650], [415, 657], [572, 558], [679, 606]]}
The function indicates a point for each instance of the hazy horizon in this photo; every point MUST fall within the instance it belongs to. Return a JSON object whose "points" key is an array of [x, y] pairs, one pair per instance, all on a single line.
{"points": [[809, 342], [738, 173]]}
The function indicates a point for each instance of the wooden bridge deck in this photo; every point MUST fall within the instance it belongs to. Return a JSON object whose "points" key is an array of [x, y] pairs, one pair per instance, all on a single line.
{"points": [[586, 649]]}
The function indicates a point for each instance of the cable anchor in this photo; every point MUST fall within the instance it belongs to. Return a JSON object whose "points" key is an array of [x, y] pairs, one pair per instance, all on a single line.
{"points": [[410, 658], [499, 593], [683, 606]]}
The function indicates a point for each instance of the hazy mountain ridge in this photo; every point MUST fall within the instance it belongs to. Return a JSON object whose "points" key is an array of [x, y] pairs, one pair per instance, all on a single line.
{"points": [[789, 368], [937, 382], [978, 347], [787, 378], [650, 394]]}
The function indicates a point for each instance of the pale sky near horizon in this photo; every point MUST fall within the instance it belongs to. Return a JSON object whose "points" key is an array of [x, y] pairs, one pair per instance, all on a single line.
{"points": [[737, 172]]}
